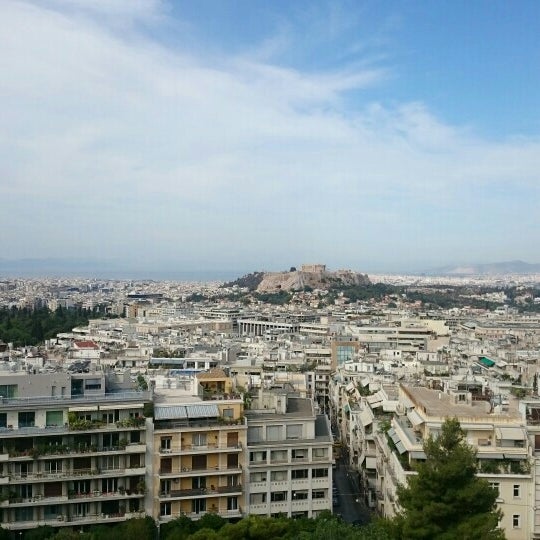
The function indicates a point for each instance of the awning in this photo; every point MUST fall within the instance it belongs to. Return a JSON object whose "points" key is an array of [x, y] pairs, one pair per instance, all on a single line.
{"points": [[400, 448], [477, 427], [418, 455], [366, 418], [202, 411], [371, 463], [346, 408], [516, 457], [121, 406], [415, 418], [393, 435], [376, 399], [171, 412], [486, 361], [489, 455], [510, 434], [82, 408]]}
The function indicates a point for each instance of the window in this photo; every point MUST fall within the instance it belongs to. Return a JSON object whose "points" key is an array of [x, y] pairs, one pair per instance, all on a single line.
{"points": [[8, 390], [516, 521], [198, 506], [319, 473], [54, 418], [294, 431], [300, 495], [228, 413], [299, 453], [257, 457], [318, 494], [516, 490], [277, 456], [165, 509], [273, 433], [320, 453], [254, 434], [278, 476], [278, 496], [24, 514], [108, 463], [92, 384], [3, 420], [257, 498], [232, 503], [53, 467], [344, 353], [198, 439], [109, 485], [496, 486], [257, 477], [165, 486], [27, 419], [165, 443], [299, 474]]}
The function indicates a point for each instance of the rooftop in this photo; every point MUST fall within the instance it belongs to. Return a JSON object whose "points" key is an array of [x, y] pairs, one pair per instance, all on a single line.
{"points": [[440, 404]]}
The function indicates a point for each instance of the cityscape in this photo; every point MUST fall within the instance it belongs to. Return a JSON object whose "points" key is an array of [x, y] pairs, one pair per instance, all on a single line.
{"points": [[277, 394], [269, 270]]}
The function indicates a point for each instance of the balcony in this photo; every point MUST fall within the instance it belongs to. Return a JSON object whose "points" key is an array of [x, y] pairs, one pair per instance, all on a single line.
{"points": [[321, 504], [76, 473], [186, 449], [186, 471], [201, 492], [70, 521], [198, 515], [198, 423], [46, 431], [64, 450]]}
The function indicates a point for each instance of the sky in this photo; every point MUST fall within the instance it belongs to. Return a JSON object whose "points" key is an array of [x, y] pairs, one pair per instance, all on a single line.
{"points": [[254, 135]]}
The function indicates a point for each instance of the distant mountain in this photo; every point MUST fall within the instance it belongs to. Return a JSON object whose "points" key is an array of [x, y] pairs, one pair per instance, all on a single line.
{"points": [[490, 269]]}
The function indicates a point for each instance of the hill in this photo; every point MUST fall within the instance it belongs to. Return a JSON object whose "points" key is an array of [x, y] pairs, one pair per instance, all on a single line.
{"points": [[309, 276]]}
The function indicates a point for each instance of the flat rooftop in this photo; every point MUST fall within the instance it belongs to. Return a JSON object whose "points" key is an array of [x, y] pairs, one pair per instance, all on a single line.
{"points": [[441, 404]]}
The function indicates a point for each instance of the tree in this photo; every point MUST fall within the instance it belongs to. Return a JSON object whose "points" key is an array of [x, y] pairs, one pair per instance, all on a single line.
{"points": [[446, 500]]}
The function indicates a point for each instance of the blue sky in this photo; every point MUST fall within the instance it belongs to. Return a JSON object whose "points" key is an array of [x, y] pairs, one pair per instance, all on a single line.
{"points": [[380, 136]]}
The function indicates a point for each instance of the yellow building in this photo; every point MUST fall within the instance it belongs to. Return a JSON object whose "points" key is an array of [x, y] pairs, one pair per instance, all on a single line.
{"points": [[198, 452]]}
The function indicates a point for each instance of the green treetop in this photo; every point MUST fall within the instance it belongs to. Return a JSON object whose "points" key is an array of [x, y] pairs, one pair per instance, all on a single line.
{"points": [[446, 500]]}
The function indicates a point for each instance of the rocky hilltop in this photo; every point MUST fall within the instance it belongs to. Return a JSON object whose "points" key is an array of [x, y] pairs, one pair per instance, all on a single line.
{"points": [[314, 276]]}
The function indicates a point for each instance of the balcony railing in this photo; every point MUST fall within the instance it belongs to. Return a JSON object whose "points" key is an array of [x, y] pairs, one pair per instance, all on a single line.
{"points": [[203, 470], [62, 450], [202, 492], [76, 472], [188, 448]]}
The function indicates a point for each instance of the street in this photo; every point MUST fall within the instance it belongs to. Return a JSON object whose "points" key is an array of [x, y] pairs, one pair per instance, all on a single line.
{"points": [[351, 503]]}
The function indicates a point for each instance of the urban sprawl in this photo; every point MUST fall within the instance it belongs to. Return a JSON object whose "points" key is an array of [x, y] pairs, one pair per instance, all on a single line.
{"points": [[291, 396]]}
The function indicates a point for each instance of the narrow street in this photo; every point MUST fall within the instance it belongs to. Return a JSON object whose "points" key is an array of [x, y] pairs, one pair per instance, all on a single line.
{"points": [[351, 503]]}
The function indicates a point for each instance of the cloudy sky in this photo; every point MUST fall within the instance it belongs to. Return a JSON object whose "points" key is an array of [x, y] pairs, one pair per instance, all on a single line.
{"points": [[248, 134]]}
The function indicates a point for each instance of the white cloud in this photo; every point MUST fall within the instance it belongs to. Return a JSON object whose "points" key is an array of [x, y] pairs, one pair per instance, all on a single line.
{"points": [[172, 145]]}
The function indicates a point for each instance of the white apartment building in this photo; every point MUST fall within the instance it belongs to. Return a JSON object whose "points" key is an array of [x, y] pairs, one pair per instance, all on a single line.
{"points": [[71, 453], [289, 462], [498, 433]]}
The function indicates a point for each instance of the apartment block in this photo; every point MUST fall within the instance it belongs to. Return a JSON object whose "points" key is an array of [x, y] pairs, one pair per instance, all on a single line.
{"points": [[497, 431], [198, 450], [71, 453], [289, 462]]}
